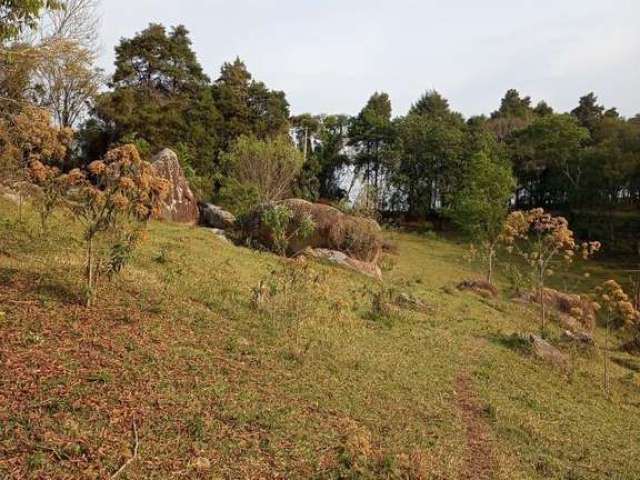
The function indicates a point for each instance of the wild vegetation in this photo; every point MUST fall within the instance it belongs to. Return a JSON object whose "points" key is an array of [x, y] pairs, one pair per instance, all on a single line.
{"points": [[133, 348]]}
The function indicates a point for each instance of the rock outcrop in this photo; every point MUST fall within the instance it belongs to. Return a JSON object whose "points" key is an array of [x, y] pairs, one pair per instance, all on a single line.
{"points": [[358, 238], [545, 351], [334, 256], [180, 204], [213, 216], [480, 287]]}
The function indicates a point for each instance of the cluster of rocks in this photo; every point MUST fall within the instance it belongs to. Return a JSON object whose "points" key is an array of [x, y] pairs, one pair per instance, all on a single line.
{"points": [[345, 240]]}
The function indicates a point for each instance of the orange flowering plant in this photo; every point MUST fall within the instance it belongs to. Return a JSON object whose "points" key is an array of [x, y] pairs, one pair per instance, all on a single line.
{"points": [[52, 187], [117, 197], [542, 241], [614, 305], [28, 142]]}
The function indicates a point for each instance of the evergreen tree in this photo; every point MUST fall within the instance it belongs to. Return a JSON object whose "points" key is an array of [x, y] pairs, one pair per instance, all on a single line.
{"points": [[160, 96], [248, 107], [371, 133], [588, 112]]}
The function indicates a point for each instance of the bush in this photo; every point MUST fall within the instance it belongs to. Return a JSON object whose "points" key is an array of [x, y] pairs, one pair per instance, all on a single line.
{"points": [[357, 237], [268, 167], [116, 205], [279, 219]]}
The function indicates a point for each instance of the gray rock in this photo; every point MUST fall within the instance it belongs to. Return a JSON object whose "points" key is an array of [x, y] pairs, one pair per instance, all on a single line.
{"points": [[215, 217], [545, 351], [334, 256], [219, 233], [581, 337]]}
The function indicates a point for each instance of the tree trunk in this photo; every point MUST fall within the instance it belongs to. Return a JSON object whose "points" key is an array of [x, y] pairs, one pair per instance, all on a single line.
{"points": [[90, 272], [490, 272], [606, 358], [542, 309]]}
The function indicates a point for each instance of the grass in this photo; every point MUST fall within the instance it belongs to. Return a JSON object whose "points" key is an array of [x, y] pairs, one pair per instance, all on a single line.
{"points": [[309, 379]]}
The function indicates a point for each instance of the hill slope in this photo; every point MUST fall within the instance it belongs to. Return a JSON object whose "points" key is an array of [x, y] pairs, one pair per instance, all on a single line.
{"points": [[215, 361]]}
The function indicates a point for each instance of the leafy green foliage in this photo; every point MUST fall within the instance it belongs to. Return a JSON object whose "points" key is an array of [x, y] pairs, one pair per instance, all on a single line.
{"points": [[247, 106], [267, 167], [283, 226], [160, 95], [481, 204], [18, 15], [371, 134]]}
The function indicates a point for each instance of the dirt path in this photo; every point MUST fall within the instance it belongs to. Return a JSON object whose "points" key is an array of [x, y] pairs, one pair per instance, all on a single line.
{"points": [[478, 461]]}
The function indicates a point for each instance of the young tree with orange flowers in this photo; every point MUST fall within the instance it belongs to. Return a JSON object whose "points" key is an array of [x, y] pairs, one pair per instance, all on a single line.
{"points": [[541, 239], [614, 306], [118, 196]]}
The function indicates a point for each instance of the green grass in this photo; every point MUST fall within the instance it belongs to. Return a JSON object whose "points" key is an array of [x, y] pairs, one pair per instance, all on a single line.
{"points": [[308, 383]]}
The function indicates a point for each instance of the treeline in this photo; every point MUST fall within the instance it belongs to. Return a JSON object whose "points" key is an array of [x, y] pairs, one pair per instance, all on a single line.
{"points": [[584, 163]]}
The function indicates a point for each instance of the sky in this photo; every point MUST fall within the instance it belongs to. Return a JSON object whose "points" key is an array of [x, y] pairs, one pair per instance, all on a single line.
{"points": [[329, 56]]}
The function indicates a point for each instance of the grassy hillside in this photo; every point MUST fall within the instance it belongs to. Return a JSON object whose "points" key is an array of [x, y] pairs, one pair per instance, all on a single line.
{"points": [[215, 361]]}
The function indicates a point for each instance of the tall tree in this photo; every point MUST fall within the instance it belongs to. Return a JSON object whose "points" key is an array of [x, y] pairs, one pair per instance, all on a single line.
{"points": [[371, 134], [481, 204], [588, 112], [547, 155], [67, 82], [431, 151], [160, 95], [247, 106]]}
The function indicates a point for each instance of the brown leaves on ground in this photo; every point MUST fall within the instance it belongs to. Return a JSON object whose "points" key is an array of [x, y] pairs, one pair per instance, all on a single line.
{"points": [[478, 461]]}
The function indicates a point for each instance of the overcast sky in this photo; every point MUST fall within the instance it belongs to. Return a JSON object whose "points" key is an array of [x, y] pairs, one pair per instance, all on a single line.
{"points": [[330, 55]]}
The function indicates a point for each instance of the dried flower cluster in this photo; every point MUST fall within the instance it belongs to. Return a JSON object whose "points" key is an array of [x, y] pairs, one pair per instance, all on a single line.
{"points": [[52, 187], [614, 305], [611, 299], [540, 239], [550, 234], [121, 184], [36, 138], [115, 196], [119, 188]]}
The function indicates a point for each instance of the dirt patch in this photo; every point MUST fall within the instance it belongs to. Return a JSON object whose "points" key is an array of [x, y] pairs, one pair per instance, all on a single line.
{"points": [[478, 459]]}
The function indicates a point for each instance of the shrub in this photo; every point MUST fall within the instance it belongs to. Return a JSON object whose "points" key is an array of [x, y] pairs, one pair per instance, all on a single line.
{"points": [[279, 220], [541, 239], [357, 237], [269, 167], [614, 306], [117, 203]]}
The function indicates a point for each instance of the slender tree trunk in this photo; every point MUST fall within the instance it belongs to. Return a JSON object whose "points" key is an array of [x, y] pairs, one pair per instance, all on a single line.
{"points": [[20, 205], [606, 357], [490, 272], [541, 296], [306, 139], [90, 272]]}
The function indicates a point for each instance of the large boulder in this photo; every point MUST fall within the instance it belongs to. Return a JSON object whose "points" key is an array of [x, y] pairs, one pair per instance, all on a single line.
{"points": [[213, 216], [359, 238], [180, 204]]}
